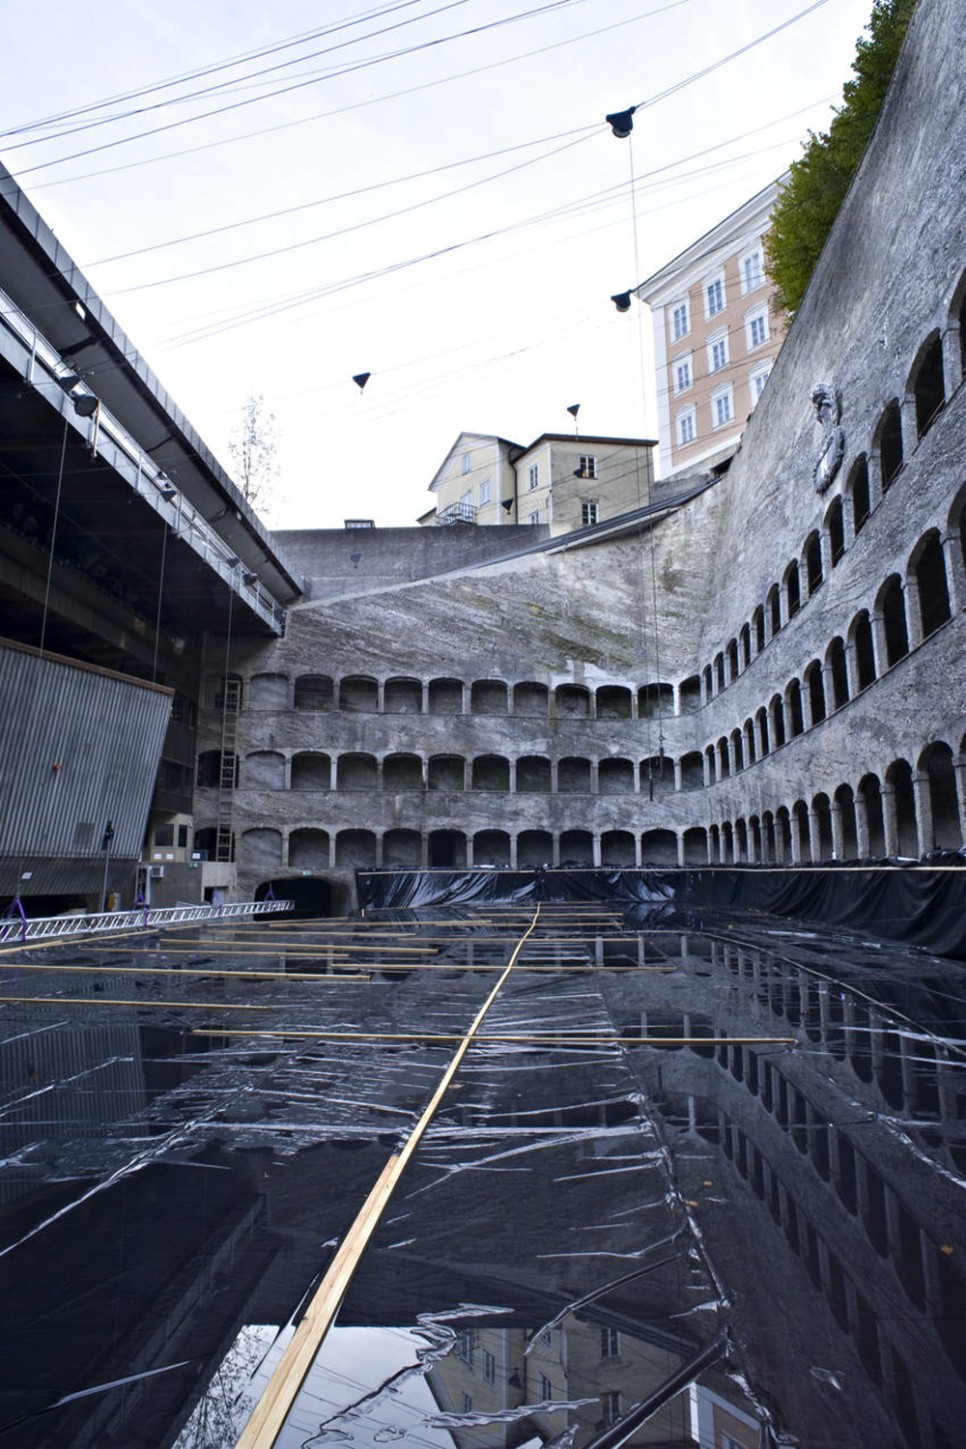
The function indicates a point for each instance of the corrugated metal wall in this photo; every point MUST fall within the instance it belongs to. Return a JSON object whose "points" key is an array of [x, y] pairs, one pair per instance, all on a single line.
{"points": [[78, 746]]}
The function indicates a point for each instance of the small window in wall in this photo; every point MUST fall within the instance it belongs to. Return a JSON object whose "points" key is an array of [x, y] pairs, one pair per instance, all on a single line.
{"points": [[587, 467], [756, 328], [683, 377], [714, 297], [680, 321], [929, 387], [164, 835], [722, 408], [685, 427], [466, 463], [533, 476], [757, 380], [890, 444], [717, 350], [752, 270], [589, 511], [534, 516], [485, 491]]}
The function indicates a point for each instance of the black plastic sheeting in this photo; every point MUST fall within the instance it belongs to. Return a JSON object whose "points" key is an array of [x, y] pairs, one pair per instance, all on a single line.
{"points": [[922, 906]]}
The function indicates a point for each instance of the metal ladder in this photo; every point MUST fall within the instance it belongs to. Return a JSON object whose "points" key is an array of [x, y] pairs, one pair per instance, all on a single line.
{"points": [[231, 704]]}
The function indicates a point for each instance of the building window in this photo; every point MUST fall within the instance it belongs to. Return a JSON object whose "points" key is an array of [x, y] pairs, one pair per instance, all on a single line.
{"points": [[756, 382], [466, 462], [752, 271], [722, 409], [718, 351], [467, 1402], [714, 297], [534, 516], [589, 511], [465, 1345], [685, 423], [486, 491], [680, 321], [588, 466], [533, 475], [610, 1343], [489, 1367], [756, 328], [610, 1409], [546, 1389], [682, 374]]}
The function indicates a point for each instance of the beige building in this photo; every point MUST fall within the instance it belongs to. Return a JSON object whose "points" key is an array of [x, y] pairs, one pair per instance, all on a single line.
{"points": [[716, 333], [560, 480]]}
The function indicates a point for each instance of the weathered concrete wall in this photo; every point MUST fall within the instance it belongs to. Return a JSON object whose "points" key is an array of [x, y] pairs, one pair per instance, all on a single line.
{"points": [[336, 563]]}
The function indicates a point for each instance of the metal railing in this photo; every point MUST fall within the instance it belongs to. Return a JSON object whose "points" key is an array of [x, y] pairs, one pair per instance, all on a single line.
{"points": [[456, 513], [42, 928]]}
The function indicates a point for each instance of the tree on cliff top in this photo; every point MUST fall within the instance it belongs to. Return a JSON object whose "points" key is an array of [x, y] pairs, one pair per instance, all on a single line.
{"points": [[808, 205]]}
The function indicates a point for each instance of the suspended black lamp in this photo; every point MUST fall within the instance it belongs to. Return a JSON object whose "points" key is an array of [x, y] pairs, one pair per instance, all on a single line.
{"points": [[621, 122], [622, 301]]}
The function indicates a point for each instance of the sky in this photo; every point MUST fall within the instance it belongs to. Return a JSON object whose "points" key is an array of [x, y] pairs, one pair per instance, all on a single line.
{"points": [[424, 190]]}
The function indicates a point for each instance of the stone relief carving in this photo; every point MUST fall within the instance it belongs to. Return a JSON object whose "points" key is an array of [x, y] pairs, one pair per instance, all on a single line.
{"points": [[833, 437]]}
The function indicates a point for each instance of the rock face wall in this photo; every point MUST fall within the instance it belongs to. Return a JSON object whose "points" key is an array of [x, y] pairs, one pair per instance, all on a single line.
{"points": [[772, 673]]}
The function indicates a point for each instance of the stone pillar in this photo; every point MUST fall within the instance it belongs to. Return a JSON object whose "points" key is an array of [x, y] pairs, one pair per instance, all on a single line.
{"points": [[595, 777], [287, 772], [838, 834], [678, 775], [513, 852], [805, 695], [333, 772], [848, 525], [424, 850], [910, 593], [890, 825], [952, 359], [909, 424], [595, 844], [861, 826], [875, 479], [554, 776], [880, 654], [959, 780], [925, 829], [424, 699], [380, 696], [955, 570], [828, 687], [795, 834], [680, 840], [379, 838], [851, 669], [675, 700], [512, 766], [815, 838]]}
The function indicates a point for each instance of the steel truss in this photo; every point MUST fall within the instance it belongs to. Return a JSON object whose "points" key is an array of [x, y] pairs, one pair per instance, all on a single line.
{"points": [[17, 928]]}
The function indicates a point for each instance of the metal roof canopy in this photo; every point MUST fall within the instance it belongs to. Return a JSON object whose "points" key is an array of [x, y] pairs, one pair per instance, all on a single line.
{"points": [[114, 527], [45, 283]]}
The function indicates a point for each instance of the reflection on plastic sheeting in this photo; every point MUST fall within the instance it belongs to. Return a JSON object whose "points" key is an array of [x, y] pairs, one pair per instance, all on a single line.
{"points": [[636, 1218]]}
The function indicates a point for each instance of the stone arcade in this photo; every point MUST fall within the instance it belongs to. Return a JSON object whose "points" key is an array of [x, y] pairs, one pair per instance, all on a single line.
{"points": [[767, 672]]}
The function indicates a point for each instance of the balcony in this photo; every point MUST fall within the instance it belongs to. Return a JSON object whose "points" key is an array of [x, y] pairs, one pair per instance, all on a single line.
{"points": [[456, 513]]}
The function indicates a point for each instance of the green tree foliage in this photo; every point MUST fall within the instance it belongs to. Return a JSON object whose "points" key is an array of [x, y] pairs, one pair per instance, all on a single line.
{"points": [[808, 205]]}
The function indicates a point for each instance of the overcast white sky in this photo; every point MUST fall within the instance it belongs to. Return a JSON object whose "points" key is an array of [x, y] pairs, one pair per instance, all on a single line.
{"points": [[524, 231]]}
